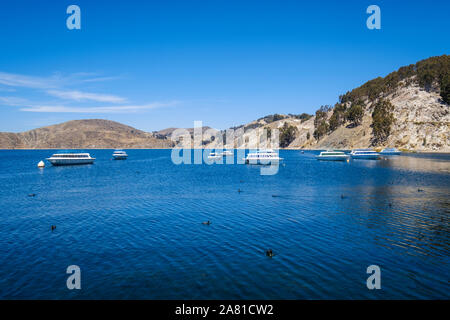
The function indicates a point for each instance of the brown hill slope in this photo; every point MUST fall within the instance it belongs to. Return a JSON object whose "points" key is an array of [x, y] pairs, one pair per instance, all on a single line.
{"points": [[92, 133]]}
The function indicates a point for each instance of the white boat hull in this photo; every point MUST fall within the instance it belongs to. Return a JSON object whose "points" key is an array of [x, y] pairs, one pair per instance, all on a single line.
{"points": [[262, 161], [333, 158], [366, 156], [396, 153], [70, 162]]}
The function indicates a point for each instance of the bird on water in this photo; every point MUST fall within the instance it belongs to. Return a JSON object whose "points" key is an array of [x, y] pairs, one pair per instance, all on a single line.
{"points": [[269, 253]]}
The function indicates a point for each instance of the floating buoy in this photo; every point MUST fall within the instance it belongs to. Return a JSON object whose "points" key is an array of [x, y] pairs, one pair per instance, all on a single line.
{"points": [[41, 164]]}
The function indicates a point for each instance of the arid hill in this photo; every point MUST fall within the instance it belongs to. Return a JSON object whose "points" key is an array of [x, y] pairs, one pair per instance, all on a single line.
{"points": [[92, 133]]}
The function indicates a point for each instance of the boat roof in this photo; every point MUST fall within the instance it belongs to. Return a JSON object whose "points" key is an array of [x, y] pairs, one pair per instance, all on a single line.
{"points": [[71, 153], [333, 151]]}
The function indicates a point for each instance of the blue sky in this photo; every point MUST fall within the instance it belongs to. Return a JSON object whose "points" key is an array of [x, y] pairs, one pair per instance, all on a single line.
{"points": [[158, 64]]}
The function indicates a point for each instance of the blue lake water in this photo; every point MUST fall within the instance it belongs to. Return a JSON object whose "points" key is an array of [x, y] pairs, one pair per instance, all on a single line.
{"points": [[135, 228]]}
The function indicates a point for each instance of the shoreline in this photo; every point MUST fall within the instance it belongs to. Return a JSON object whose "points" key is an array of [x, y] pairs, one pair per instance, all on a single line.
{"points": [[285, 149]]}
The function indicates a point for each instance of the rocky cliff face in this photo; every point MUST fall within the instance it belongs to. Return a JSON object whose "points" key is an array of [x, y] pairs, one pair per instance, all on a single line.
{"points": [[422, 120], [421, 123]]}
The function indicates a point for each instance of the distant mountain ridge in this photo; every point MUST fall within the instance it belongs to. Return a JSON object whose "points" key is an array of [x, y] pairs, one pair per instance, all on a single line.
{"points": [[78, 134]]}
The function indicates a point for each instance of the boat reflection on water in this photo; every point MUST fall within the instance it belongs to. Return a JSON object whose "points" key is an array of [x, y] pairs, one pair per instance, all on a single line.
{"points": [[439, 163]]}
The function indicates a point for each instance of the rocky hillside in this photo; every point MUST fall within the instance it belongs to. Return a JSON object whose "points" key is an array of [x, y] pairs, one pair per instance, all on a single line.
{"points": [[408, 109], [93, 133], [421, 123]]}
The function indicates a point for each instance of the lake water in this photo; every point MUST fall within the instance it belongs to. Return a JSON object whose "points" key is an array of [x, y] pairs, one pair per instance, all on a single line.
{"points": [[135, 228]]}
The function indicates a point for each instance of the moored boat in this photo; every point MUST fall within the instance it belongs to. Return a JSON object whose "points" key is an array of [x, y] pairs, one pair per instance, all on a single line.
{"points": [[366, 154], [219, 155], [119, 155], [331, 155], [66, 159], [215, 156], [267, 156], [227, 153], [390, 152]]}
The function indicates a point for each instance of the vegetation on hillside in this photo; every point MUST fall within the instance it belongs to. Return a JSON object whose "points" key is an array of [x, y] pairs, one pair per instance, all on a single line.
{"points": [[338, 117], [320, 122], [287, 134], [427, 72], [382, 119], [303, 117], [445, 88], [269, 132], [355, 114], [273, 117]]}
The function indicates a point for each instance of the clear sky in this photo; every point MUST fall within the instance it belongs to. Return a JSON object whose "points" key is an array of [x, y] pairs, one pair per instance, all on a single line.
{"points": [[158, 64]]}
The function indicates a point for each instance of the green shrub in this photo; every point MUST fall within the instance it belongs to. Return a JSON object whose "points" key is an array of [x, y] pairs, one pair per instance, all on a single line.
{"points": [[269, 132], [303, 116], [273, 117], [338, 116], [382, 120], [321, 129], [287, 135], [320, 122], [445, 88], [355, 114]]}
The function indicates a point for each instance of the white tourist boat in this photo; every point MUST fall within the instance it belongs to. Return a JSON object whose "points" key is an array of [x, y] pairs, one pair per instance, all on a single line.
{"points": [[390, 152], [227, 153], [215, 156], [366, 154], [65, 159], [119, 155], [266, 156], [331, 155], [219, 155]]}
